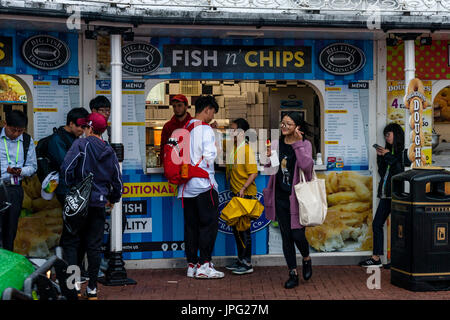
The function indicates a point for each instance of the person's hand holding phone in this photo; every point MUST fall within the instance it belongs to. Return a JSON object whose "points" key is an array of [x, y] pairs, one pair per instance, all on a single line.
{"points": [[380, 150], [14, 171]]}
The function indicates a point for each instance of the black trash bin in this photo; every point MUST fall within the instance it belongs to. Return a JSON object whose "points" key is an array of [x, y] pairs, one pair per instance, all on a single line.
{"points": [[420, 248]]}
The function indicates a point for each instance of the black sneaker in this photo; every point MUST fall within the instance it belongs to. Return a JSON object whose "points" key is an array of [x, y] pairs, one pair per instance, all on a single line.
{"points": [[371, 263], [243, 269], [234, 266], [292, 281]]}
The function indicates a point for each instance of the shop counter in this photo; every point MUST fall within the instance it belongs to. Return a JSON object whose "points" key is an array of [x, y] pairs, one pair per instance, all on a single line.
{"points": [[161, 169], [155, 227]]}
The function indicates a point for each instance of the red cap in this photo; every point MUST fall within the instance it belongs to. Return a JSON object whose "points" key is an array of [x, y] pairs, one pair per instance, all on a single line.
{"points": [[94, 120], [82, 122], [181, 98]]}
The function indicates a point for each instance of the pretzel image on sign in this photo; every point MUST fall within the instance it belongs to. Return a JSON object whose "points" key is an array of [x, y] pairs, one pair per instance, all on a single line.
{"points": [[416, 101]]}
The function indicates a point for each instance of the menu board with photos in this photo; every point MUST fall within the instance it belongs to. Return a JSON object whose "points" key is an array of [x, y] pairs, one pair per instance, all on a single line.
{"points": [[53, 98], [346, 125], [133, 120]]}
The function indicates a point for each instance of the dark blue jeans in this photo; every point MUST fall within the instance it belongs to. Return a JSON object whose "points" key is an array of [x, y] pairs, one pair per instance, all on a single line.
{"points": [[383, 212]]}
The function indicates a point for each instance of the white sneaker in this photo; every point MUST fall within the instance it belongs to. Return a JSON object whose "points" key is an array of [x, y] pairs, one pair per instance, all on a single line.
{"points": [[192, 269], [207, 271]]}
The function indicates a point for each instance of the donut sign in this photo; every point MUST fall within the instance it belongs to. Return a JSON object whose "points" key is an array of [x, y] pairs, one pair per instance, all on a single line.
{"points": [[416, 102]]}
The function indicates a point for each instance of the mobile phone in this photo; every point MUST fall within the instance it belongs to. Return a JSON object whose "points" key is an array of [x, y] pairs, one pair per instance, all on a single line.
{"points": [[376, 146]]}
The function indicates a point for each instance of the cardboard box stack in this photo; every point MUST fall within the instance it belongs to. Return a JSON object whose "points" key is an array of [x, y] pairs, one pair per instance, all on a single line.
{"points": [[246, 99], [235, 107]]}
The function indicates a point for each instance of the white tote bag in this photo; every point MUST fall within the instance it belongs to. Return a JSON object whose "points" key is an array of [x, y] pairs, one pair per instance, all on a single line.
{"points": [[312, 200]]}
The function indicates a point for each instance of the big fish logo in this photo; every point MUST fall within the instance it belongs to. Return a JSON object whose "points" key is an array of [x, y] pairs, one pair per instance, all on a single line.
{"points": [[257, 225]]}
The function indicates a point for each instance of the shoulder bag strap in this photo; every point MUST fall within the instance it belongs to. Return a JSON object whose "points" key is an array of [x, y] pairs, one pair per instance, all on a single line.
{"points": [[26, 146]]}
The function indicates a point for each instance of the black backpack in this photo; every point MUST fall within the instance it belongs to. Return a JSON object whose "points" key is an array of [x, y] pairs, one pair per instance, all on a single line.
{"points": [[76, 203], [45, 162]]}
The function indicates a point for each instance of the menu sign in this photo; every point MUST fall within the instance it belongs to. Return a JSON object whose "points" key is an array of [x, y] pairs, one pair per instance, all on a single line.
{"points": [[346, 126], [133, 111], [53, 98]]}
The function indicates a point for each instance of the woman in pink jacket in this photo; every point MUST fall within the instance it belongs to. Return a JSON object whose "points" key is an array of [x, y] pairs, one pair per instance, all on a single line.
{"points": [[279, 197]]}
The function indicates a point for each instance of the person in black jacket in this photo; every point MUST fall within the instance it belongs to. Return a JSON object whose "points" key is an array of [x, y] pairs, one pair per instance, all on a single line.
{"points": [[391, 160], [60, 143], [91, 155]]}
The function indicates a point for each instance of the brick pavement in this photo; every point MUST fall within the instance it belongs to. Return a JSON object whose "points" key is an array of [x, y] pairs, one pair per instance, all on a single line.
{"points": [[265, 283]]}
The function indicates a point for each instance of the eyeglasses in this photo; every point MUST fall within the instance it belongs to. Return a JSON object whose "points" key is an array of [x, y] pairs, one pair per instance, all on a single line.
{"points": [[286, 125]]}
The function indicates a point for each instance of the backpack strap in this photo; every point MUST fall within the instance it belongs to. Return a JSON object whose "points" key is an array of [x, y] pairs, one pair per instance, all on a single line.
{"points": [[26, 146], [191, 125]]}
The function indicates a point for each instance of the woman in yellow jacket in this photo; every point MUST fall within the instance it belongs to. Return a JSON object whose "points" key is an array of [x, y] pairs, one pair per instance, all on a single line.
{"points": [[242, 173]]}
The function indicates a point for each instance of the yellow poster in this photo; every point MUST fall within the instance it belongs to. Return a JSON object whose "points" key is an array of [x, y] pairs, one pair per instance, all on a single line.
{"points": [[11, 90], [396, 112], [148, 189], [348, 225]]}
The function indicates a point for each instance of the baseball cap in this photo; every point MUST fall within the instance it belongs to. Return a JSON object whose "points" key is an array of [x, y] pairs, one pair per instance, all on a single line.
{"points": [[96, 121], [82, 122], [181, 98]]}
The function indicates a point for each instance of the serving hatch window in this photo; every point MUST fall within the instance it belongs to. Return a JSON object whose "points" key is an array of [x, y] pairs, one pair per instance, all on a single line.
{"points": [[261, 103]]}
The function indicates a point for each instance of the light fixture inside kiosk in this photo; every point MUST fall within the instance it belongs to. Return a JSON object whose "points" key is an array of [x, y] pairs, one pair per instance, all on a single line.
{"points": [[12, 96]]}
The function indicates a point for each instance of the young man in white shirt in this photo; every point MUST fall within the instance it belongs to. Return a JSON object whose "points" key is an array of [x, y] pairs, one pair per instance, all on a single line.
{"points": [[200, 195]]}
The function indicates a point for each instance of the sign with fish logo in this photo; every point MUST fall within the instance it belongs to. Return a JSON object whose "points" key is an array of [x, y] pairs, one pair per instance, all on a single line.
{"points": [[342, 59], [140, 58], [45, 52]]}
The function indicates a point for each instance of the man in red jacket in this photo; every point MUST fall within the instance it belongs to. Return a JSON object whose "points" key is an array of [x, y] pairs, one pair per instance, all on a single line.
{"points": [[181, 117]]}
